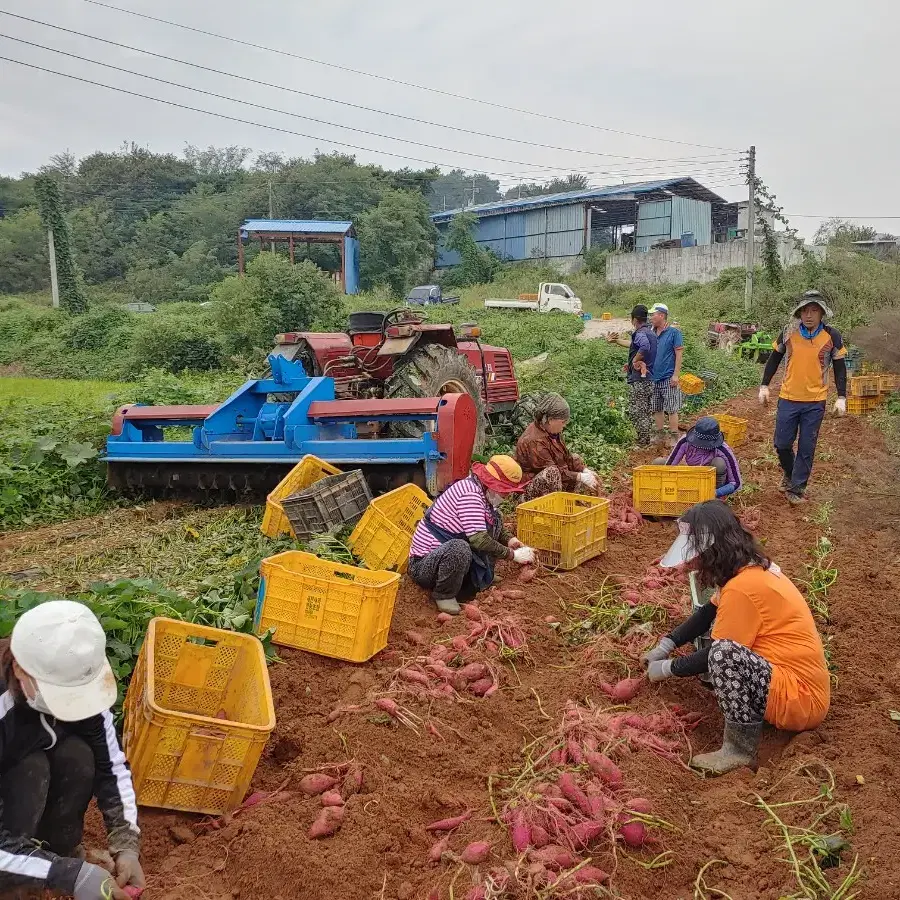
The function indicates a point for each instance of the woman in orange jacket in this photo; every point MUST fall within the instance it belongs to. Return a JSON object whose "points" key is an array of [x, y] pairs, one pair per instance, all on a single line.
{"points": [[766, 660]]}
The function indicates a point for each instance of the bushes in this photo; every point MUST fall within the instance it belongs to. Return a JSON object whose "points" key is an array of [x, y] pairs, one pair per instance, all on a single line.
{"points": [[180, 340]]}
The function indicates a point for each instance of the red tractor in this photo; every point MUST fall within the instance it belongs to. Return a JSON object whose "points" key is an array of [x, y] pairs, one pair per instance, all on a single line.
{"points": [[396, 354]]}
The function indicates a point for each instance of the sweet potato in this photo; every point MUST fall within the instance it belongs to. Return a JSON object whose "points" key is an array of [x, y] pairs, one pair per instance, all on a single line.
{"points": [[475, 853], [460, 643], [526, 574], [520, 833], [514, 594], [414, 676], [624, 690], [634, 834], [632, 598], [584, 833], [415, 637], [554, 857], [439, 848], [472, 612], [444, 618], [132, 891], [474, 671], [539, 837], [573, 793], [605, 769], [332, 798], [317, 783], [327, 822], [476, 893], [484, 687], [385, 704], [639, 805], [450, 824], [590, 875], [353, 781]]}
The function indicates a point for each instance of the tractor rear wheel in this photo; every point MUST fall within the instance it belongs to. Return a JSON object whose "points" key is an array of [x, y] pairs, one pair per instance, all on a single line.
{"points": [[432, 371]]}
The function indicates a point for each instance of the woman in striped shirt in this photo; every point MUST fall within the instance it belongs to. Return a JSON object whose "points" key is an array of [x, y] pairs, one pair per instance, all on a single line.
{"points": [[456, 544]]}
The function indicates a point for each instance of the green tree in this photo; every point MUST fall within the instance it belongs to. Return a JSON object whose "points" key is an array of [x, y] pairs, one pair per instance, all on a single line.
{"points": [[186, 277], [23, 253], [71, 297], [273, 297], [476, 265], [842, 232], [574, 182], [454, 190], [396, 238], [97, 240]]}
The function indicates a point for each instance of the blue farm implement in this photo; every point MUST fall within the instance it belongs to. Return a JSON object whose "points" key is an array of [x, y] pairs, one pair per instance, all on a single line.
{"points": [[247, 444]]}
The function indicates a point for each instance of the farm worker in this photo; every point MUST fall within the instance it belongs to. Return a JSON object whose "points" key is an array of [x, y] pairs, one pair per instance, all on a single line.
{"points": [[58, 749], [766, 661], [704, 445], [639, 370], [667, 397], [543, 456], [456, 544], [811, 348]]}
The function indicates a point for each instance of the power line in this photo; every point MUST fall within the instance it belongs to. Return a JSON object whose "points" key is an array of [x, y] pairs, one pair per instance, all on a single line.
{"points": [[269, 85], [387, 78], [835, 216], [257, 105]]}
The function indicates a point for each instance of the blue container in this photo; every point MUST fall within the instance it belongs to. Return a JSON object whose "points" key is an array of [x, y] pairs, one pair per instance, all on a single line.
{"points": [[586, 317]]}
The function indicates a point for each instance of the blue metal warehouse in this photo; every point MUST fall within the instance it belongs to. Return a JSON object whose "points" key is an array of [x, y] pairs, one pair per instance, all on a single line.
{"points": [[674, 211]]}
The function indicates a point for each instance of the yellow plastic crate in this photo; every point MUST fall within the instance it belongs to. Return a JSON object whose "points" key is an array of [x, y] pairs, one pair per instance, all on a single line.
{"points": [[671, 490], [198, 714], [864, 385], [325, 607], [565, 529], [733, 428], [691, 384], [859, 406], [871, 368], [887, 384], [308, 471], [383, 535]]}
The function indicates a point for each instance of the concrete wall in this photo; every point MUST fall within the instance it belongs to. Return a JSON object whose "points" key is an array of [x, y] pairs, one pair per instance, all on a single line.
{"points": [[678, 266]]}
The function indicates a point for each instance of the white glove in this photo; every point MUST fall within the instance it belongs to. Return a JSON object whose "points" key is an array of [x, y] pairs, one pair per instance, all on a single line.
{"points": [[523, 555], [840, 406], [662, 651], [588, 479], [764, 395]]}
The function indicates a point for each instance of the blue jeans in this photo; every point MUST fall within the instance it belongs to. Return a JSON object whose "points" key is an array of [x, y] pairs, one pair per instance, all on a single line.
{"points": [[795, 418]]}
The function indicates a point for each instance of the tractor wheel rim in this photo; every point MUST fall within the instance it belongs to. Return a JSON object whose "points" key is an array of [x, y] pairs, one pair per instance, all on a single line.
{"points": [[452, 387]]}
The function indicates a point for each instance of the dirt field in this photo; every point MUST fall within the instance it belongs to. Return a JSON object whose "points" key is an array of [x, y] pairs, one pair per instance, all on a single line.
{"points": [[412, 778]]}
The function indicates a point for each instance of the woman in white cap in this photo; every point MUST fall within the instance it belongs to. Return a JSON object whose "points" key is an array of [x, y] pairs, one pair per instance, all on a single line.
{"points": [[766, 661], [58, 750], [811, 348]]}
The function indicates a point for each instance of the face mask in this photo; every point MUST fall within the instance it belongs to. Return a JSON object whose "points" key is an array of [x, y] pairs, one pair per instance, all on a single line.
{"points": [[38, 705], [494, 499]]}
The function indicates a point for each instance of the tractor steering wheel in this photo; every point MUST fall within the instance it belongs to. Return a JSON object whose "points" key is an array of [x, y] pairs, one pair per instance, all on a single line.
{"points": [[404, 316]]}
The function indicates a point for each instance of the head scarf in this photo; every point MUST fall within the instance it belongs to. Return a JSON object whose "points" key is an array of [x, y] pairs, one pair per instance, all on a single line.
{"points": [[551, 406]]}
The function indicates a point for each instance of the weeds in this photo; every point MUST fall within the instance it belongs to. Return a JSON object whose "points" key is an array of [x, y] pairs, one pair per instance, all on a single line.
{"points": [[822, 516], [820, 576]]}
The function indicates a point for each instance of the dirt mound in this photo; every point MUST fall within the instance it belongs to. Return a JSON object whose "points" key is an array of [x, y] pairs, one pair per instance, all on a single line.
{"points": [[715, 841]]}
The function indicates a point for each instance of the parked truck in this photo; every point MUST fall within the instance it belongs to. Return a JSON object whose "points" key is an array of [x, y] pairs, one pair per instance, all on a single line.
{"points": [[428, 295], [551, 297]]}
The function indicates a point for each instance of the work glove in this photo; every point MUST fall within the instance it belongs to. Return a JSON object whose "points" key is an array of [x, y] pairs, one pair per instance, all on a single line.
{"points": [[129, 871], [764, 395], [840, 406], [95, 883], [659, 670], [663, 650], [588, 479], [523, 555]]}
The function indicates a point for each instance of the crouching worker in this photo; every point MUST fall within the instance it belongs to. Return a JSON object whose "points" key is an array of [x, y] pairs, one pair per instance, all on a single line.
{"points": [[544, 457], [461, 536], [58, 749], [766, 661], [704, 445]]}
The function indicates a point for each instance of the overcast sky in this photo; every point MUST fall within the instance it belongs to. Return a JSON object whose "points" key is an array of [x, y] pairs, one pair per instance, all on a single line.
{"points": [[812, 83]]}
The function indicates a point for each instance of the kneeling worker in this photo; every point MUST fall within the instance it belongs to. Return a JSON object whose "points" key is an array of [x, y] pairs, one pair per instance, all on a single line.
{"points": [[766, 660], [456, 544], [704, 445], [58, 749]]}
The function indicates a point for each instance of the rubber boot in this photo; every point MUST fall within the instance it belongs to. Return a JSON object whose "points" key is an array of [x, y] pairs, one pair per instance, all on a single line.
{"points": [[785, 485], [448, 605], [739, 746], [795, 499]]}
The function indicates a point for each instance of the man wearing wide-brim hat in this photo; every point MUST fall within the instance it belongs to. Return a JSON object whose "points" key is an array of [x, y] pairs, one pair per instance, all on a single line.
{"points": [[811, 348]]}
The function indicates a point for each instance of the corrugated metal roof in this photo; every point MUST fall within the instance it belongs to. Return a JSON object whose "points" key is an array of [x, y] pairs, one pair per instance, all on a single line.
{"points": [[312, 226], [640, 187]]}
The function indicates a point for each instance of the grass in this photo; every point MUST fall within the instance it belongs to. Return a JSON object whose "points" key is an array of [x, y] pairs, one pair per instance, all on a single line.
{"points": [[59, 390]]}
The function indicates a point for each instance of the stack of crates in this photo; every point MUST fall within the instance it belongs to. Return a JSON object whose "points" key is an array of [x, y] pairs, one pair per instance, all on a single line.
{"points": [[325, 607], [671, 490], [197, 717], [691, 384], [733, 429], [887, 384], [860, 406], [384, 534], [565, 529], [328, 504], [865, 386], [308, 471]]}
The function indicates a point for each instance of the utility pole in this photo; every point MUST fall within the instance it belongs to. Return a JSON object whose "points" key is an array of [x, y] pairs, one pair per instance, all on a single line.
{"points": [[54, 281], [474, 190], [751, 229], [271, 209]]}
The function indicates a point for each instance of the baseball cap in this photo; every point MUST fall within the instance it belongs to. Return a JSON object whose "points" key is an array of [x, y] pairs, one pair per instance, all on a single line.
{"points": [[62, 646], [659, 307]]}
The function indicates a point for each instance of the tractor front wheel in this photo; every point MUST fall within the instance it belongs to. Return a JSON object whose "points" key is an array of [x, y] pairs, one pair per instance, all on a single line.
{"points": [[432, 371]]}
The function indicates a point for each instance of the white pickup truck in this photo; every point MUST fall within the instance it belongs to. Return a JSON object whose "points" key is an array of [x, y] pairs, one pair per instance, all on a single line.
{"points": [[551, 297]]}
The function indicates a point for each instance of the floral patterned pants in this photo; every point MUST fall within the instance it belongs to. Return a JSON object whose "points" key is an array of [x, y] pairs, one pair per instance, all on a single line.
{"points": [[640, 409], [741, 681]]}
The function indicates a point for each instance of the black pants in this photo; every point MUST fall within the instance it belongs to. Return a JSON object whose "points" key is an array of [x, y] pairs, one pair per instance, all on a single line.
{"points": [[46, 795], [446, 571]]}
